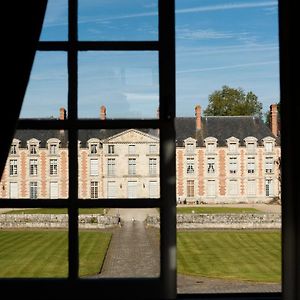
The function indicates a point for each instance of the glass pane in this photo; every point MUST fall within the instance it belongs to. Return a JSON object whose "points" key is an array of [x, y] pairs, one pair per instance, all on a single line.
{"points": [[119, 163], [33, 243], [119, 243], [118, 20], [228, 186], [48, 86], [125, 82], [37, 166], [55, 26]]}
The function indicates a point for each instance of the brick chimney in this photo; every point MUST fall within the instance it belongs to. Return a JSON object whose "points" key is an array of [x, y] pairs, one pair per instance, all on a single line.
{"points": [[198, 116], [274, 119], [103, 112], [62, 113]]}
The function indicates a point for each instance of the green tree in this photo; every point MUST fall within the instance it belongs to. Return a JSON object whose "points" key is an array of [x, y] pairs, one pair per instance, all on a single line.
{"points": [[233, 102]]}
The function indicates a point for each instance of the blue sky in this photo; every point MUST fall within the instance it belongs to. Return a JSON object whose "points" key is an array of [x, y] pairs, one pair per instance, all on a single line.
{"points": [[218, 43]]}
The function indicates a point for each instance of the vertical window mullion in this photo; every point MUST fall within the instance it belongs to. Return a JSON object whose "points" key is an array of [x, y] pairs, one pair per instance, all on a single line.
{"points": [[73, 139], [167, 148]]}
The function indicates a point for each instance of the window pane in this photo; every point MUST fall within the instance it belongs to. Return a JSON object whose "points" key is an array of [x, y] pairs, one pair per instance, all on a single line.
{"points": [[46, 92], [119, 243], [124, 167], [33, 170], [118, 20], [28, 240], [118, 85]]}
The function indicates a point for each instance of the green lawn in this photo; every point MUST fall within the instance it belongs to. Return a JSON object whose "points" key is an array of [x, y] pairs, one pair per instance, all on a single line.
{"points": [[45, 253], [215, 210], [245, 255], [55, 211]]}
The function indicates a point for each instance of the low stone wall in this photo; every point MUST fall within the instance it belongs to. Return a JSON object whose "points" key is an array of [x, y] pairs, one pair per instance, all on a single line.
{"points": [[223, 221], [93, 221]]}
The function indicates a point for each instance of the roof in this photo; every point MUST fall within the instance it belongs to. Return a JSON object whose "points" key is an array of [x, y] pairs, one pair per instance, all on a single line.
{"points": [[220, 127]]}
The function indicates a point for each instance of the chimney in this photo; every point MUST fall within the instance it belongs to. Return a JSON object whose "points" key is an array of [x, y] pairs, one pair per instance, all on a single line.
{"points": [[62, 114], [103, 112], [157, 113], [198, 116], [274, 119]]}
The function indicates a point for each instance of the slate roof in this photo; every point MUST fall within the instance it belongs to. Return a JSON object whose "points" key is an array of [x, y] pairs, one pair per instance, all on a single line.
{"points": [[221, 127]]}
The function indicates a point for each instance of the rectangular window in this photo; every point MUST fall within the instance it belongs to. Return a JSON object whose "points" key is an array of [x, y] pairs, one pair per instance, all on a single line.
{"points": [[13, 167], [251, 165], [131, 166], [132, 189], [94, 190], [269, 164], [190, 148], [251, 187], [111, 149], [152, 149], [33, 149], [251, 147], [111, 167], [94, 148], [111, 189], [53, 190], [131, 149], [152, 166], [53, 149], [53, 167], [211, 165], [232, 165], [233, 147], [211, 188], [190, 190], [153, 189], [233, 188], [94, 169], [268, 147], [13, 190], [269, 188], [13, 149], [190, 165], [33, 190], [211, 147], [33, 167]]}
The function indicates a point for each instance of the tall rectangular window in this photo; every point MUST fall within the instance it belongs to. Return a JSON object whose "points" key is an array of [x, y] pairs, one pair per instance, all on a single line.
{"points": [[33, 167], [190, 189], [152, 166], [94, 168], [111, 149], [211, 168], [131, 149], [251, 165], [232, 165], [251, 187], [111, 167], [33, 149], [190, 165], [33, 190], [233, 188], [13, 167], [53, 167], [53, 149], [269, 164], [131, 166], [211, 188], [94, 190], [269, 187]]}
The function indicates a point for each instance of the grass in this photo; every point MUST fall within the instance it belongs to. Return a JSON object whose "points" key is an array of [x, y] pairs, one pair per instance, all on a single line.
{"points": [[44, 253], [215, 210], [243, 255], [55, 211]]}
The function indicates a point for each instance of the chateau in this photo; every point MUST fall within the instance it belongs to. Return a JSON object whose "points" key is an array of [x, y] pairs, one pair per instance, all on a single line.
{"points": [[218, 160]]}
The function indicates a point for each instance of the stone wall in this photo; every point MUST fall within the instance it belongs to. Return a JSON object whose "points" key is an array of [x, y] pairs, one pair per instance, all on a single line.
{"points": [[223, 221], [93, 221]]}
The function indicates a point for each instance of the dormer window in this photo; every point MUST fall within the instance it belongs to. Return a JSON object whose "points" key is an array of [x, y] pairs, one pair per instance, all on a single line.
{"points": [[190, 146], [33, 149], [13, 149], [269, 147], [94, 148], [251, 144], [269, 143], [211, 144], [53, 149]]}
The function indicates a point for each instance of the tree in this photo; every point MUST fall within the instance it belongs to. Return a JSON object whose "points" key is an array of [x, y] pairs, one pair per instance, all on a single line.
{"points": [[233, 102]]}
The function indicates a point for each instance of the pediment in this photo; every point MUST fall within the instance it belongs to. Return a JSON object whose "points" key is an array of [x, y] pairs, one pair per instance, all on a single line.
{"points": [[132, 136]]}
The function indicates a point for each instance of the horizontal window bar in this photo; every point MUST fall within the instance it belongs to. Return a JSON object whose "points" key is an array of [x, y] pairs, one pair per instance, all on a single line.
{"points": [[88, 124], [81, 203], [100, 46]]}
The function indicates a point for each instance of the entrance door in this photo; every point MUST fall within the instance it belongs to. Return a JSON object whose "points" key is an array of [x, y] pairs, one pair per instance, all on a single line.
{"points": [[13, 190]]}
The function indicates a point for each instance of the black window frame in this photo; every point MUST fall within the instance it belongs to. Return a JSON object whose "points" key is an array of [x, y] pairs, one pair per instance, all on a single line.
{"points": [[73, 288]]}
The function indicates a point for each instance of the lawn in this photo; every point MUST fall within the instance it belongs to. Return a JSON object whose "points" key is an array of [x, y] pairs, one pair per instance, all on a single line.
{"points": [[55, 211], [44, 253], [216, 210], [243, 255]]}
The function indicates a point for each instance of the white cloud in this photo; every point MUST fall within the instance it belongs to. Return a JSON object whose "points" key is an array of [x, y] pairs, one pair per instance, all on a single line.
{"points": [[200, 34]]}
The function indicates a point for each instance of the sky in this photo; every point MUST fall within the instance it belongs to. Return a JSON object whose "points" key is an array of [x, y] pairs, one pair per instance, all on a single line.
{"points": [[218, 42]]}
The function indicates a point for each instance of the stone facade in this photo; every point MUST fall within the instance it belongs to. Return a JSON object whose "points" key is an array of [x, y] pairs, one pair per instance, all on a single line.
{"points": [[224, 168]]}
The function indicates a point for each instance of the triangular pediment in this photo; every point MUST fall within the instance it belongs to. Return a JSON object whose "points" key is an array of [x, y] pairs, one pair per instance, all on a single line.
{"points": [[132, 136]]}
